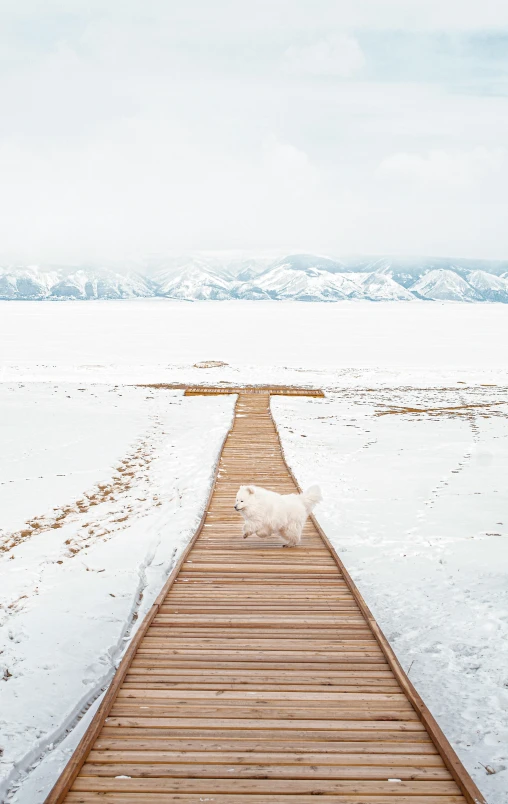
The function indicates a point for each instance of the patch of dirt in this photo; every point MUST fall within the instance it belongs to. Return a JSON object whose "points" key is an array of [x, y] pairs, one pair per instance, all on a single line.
{"points": [[205, 364]]}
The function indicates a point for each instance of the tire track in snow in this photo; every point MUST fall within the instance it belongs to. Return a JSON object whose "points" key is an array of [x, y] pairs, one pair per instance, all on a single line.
{"points": [[27, 764]]}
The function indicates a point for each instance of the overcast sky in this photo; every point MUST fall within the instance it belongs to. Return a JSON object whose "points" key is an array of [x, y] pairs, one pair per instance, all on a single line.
{"points": [[337, 126]]}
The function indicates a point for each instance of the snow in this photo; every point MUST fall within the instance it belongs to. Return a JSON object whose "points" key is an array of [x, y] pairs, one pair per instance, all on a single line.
{"points": [[416, 505], [413, 501], [157, 340], [53, 444], [80, 569]]}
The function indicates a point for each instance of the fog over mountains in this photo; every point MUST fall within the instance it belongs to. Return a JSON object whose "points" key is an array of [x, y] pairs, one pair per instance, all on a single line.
{"points": [[298, 277]]}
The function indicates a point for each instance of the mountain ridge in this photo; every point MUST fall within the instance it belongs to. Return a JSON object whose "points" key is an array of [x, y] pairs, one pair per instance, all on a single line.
{"points": [[296, 277]]}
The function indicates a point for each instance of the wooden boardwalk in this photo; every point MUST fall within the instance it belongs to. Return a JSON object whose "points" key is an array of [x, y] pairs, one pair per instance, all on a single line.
{"points": [[260, 676]]}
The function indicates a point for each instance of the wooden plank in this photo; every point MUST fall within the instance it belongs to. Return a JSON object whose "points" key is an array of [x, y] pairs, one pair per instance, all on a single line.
{"points": [[287, 734], [257, 769], [266, 786], [180, 714], [152, 660], [215, 655], [258, 723], [285, 390], [234, 695], [312, 676], [257, 643], [145, 755], [197, 798], [278, 749], [259, 619], [160, 631], [159, 682]]}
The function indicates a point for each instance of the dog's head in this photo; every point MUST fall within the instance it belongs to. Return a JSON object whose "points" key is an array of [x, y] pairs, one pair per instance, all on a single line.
{"points": [[244, 498]]}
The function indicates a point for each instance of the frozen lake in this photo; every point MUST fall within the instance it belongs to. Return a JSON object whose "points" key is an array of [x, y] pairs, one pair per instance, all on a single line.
{"points": [[153, 338]]}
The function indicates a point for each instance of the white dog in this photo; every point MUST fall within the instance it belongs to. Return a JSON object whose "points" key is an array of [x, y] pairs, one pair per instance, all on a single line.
{"points": [[267, 513]]}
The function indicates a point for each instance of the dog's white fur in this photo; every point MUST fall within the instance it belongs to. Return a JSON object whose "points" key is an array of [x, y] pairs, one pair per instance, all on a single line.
{"points": [[267, 513]]}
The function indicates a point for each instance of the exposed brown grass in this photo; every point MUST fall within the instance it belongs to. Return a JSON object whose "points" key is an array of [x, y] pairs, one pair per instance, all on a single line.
{"points": [[449, 410]]}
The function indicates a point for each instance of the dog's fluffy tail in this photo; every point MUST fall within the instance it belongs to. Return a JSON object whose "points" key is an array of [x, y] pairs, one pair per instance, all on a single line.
{"points": [[311, 497]]}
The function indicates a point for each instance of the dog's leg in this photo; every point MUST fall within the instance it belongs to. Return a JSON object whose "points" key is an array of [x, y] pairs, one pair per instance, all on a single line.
{"points": [[281, 534], [291, 535], [247, 530]]}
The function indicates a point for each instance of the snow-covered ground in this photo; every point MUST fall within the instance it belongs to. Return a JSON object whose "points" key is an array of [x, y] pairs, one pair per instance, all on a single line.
{"points": [[413, 500], [100, 489], [416, 503], [155, 340]]}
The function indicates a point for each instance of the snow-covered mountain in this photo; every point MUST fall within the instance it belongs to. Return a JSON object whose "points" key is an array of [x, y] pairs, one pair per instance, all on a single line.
{"points": [[197, 283], [27, 283], [296, 277], [300, 277], [36, 283], [489, 286], [445, 285], [380, 287]]}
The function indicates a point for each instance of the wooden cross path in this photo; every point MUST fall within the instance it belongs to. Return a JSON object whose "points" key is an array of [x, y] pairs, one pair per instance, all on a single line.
{"points": [[260, 676]]}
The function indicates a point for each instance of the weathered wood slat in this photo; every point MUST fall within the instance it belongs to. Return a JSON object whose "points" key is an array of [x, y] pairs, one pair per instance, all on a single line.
{"points": [[318, 697], [269, 786], [147, 756], [256, 770], [253, 722], [226, 746], [260, 675], [197, 798], [286, 733]]}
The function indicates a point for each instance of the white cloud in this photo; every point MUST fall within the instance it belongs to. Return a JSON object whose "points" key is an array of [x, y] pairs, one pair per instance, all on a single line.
{"points": [[337, 55], [459, 169], [288, 165]]}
